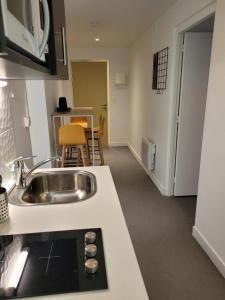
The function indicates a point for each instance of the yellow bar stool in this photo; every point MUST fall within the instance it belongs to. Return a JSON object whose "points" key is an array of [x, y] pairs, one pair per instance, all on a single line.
{"points": [[82, 121], [72, 136], [98, 135]]}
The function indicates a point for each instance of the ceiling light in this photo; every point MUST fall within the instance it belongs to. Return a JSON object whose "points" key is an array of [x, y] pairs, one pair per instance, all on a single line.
{"points": [[97, 39], [3, 83]]}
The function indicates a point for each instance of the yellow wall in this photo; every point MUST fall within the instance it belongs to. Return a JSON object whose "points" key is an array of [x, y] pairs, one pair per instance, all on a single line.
{"points": [[90, 88]]}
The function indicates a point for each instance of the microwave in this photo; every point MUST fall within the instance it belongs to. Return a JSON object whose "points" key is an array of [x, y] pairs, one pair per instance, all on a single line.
{"points": [[26, 27]]}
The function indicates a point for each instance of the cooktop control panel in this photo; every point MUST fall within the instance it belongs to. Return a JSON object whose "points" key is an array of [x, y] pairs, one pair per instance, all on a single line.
{"points": [[48, 263]]}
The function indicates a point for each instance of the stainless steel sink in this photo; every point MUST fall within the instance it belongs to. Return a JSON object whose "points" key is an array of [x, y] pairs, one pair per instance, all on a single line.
{"points": [[55, 187]]}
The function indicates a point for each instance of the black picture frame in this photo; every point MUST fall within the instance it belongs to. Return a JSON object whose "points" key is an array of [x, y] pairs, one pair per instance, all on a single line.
{"points": [[160, 69]]}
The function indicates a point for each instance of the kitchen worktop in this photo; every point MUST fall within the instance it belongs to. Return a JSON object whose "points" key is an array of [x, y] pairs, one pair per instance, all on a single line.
{"points": [[102, 210]]}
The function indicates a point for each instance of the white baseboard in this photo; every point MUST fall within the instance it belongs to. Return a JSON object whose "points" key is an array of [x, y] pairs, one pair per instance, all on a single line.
{"points": [[114, 144], [213, 255], [155, 180]]}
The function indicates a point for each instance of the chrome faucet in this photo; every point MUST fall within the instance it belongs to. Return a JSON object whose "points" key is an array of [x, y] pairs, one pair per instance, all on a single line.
{"points": [[21, 175], [19, 169], [43, 162]]}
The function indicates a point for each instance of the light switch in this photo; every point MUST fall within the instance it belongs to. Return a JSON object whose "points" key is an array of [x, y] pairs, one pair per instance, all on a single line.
{"points": [[27, 122]]}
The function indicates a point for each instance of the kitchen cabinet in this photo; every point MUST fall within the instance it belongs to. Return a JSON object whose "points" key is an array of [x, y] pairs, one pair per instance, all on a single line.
{"points": [[37, 49]]}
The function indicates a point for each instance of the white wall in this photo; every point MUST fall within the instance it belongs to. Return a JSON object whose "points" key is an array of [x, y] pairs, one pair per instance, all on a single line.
{"points": [[53, 90], [118, 97], [139, 91], [39, 129], [42, 99], [210, 217], [155, 122]]}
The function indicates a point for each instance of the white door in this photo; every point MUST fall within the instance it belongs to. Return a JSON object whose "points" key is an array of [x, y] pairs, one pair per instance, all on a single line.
{"points": [[193, 93]]}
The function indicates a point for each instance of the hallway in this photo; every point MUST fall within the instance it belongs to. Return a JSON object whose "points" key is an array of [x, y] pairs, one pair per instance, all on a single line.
{"points": [[173, 265]]}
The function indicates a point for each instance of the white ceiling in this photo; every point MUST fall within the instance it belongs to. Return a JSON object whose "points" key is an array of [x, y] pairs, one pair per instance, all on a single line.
{"points": [[120, 21]]}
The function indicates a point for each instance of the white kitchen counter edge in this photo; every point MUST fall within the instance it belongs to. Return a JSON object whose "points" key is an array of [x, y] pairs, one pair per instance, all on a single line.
{"points": [[102, 210]]}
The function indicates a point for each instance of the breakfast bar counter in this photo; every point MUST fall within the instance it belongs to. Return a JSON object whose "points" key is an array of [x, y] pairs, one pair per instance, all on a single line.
{"points": [[75, 112]]}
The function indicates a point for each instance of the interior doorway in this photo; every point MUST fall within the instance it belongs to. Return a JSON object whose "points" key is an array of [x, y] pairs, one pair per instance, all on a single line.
{"points": [[90, 89], [195, 55]]}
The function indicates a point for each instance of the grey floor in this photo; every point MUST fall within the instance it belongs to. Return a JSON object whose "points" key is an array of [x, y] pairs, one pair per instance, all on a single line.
{"points": [[173, 265]]}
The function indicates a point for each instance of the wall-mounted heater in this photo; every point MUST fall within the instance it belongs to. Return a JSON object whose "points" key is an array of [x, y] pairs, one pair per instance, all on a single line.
{"points": [[148, 154]]}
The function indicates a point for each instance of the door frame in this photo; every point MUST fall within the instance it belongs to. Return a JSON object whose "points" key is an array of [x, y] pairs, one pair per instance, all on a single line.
{"points": [[178, 35], [108, 87]]}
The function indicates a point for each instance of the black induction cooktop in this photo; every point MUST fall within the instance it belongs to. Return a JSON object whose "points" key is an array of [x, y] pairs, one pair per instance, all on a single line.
{"points": [[48, 263]]}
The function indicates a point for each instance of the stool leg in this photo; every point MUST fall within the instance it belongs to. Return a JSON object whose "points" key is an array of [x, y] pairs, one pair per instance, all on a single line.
{"points": [[89, 147], [63, 156], [101, 151], [82, 155], [78, 156], [71, 153], [66, 153], [87, 155]]}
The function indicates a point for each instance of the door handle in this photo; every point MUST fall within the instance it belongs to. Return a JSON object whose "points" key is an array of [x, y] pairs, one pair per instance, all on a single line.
{"points": [[104, 107], [64, 59], [64, 46]]}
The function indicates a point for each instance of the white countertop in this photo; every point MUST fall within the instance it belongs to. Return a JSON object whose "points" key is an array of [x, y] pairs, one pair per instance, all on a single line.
{"points": [[102, 210]]}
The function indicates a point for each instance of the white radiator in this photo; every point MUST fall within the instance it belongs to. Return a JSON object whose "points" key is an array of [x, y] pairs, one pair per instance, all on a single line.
{"points": [[148, 154]]}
